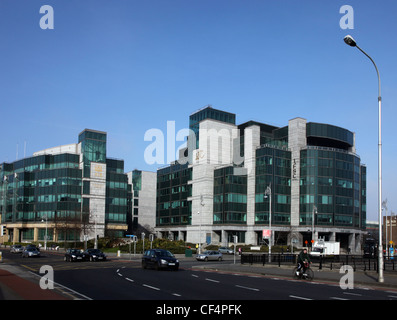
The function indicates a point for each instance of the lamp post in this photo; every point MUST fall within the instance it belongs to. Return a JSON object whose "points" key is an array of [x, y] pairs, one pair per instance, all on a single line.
{"points": [[200, 216], [313, 216], [268, 193], [351, 42], [46, 228]]}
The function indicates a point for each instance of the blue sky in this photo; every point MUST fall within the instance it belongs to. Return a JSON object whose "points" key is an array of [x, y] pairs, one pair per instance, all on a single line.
{"points": [[127, 66]]}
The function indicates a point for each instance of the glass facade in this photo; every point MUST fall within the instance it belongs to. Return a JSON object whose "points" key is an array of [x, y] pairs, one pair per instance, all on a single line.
{"points": [[230, 197], [47, 185], [116, 192], [319, 134], [273, 168], [173, 190], [93, 148], [53, 187], [331, 182]]}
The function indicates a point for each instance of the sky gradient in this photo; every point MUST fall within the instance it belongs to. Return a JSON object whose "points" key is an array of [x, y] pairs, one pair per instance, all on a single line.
{"points": [[128, 66]]}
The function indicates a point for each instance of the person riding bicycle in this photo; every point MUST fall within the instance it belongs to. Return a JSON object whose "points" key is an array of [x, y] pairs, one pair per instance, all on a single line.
{"points": [[303, 261]]}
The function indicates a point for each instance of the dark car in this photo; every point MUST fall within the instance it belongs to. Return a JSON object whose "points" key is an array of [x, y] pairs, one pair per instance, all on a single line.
{"points": [[32, 246], [73, 255], [159, 259], [94, 255]]}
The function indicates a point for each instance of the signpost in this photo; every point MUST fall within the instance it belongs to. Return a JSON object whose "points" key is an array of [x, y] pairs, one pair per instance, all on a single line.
{"points": [[133, 238], [151, 238]]}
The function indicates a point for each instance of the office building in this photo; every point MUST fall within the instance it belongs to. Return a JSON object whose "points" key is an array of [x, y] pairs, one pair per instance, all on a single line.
{"points": [[228, 176], [70, 192]]}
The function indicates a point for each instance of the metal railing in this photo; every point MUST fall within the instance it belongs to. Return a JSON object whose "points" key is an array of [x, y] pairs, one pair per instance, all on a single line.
{"points": [[357, 262]]}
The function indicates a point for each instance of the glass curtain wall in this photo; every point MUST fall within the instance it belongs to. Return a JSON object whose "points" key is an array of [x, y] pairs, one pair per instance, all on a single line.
{"points": [[172, 206], [273, 168], [330, 182], [116, 192], [93, 147], [230, 197]]}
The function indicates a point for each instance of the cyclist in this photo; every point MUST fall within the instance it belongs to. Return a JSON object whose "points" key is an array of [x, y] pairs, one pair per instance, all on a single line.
{"points": [[303, 262]]}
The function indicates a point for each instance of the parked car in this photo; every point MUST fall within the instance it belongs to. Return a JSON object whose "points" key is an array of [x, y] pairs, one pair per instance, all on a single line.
{"points": [[225, 250], [16, 248], [209, 255], [159, 258], [73, 255], [94, 255], [30, 252]]}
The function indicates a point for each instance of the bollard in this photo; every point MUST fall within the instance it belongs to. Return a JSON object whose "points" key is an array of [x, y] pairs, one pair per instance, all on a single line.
{"points": [[1, 256], [118, 253]]}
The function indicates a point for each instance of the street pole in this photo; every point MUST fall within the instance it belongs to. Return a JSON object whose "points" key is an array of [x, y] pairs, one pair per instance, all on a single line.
{"points": [[200, 216], [351, 42], [313, 216], [268, 192], [46, 233]]}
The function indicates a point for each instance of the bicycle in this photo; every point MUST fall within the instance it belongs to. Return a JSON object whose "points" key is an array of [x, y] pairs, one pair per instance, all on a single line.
{"points": [[308, 275]]}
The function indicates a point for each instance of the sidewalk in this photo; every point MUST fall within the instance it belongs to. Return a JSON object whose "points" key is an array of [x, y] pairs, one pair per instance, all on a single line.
{"points": [[15, 285]]}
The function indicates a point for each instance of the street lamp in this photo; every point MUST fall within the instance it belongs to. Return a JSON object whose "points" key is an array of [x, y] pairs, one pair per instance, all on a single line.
{"points": [[313, 216], [200, 216], [351, 42], [268, 193], [46, 228]]}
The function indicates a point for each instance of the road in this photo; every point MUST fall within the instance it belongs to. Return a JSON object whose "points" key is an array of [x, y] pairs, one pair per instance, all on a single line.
{"points": [[126, 280]]}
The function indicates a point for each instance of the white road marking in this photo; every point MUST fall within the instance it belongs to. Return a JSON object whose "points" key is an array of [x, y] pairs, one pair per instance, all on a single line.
{"points": [[212, 280], [248, 288], [302, 298], [150, 287], [353, 294]]}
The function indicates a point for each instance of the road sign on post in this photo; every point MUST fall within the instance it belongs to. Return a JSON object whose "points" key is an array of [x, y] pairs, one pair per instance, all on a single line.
{"points": [[266, 234], [151, 238]]}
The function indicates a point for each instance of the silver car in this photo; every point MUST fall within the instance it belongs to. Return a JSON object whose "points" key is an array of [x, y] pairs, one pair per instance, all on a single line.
{"points": [[16, 248], [209, 255], [30, 252], [225, 250]]}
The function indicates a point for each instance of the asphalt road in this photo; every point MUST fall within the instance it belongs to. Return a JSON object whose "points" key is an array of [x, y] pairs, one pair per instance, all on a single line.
{"points": [[126, 280]]}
